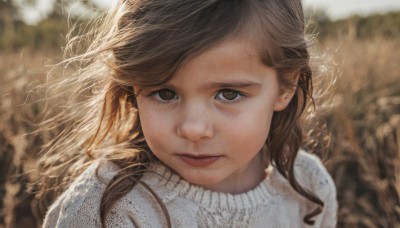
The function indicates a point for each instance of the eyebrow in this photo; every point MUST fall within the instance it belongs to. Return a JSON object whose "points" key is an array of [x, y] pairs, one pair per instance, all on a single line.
{"points": [[233, 84], [240, 84]]}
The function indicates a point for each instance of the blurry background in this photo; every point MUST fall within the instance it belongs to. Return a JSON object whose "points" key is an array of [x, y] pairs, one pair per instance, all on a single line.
{"points": [[363, 122]]}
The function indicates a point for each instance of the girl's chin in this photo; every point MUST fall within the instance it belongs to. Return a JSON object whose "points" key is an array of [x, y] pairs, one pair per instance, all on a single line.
{"points": [[207, 183]]}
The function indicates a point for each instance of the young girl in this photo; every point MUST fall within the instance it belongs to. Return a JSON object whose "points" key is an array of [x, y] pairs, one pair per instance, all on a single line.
{"points": [[193, 120]]}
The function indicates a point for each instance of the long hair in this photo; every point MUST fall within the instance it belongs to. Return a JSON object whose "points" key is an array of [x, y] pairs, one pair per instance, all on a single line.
{"points": [[144, 43]]}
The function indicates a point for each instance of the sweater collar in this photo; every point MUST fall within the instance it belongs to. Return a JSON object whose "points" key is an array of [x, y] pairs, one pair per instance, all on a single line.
{"points": [[162, 177]]}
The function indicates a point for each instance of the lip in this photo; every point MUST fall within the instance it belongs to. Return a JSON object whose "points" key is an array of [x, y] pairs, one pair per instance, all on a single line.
{"points": [[198, 160]]}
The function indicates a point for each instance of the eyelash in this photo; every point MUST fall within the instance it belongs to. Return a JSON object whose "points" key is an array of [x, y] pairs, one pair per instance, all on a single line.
{"points": [[159, 100], [236, 99]]}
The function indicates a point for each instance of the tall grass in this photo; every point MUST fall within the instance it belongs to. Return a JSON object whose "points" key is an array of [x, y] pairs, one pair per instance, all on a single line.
{"points": [[20, 74], [364, 124]]}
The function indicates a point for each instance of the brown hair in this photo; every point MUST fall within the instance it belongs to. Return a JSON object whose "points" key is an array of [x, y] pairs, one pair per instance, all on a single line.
{"points": [[144, 42]]}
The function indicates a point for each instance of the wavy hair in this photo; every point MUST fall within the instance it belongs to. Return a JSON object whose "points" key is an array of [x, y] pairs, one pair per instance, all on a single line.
{"points": [[144, 43]]}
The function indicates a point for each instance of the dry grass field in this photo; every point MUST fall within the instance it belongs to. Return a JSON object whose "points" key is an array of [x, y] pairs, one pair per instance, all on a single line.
{"points": [[363, 124]]}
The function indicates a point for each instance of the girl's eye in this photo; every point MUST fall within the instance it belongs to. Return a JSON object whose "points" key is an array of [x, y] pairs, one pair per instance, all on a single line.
{"points": [[165, 95], [228, 95]]}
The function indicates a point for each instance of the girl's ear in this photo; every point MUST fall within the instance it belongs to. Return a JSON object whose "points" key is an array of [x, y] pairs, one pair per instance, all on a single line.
{"points": [[286, 94]]}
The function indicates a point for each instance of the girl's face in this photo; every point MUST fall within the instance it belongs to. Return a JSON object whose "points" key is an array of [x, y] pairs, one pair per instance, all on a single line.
{"points": [[211, 120]]}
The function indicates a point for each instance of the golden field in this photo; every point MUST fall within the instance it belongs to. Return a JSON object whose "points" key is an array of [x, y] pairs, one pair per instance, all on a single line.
{"points": [[362, 123]]}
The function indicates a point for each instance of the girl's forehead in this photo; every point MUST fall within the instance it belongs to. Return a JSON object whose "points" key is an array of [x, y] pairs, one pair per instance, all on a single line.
{"points": [[230, 61], [239, 46], [235, 45], [229, 56]]}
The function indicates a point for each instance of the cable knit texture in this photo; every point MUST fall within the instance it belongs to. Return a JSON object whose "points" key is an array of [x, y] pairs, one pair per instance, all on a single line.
{"points": [[273, 203]]}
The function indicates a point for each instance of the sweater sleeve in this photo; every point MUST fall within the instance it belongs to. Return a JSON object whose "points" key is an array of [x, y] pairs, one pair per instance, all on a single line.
{"points": [[79, 205], [320, 183]]}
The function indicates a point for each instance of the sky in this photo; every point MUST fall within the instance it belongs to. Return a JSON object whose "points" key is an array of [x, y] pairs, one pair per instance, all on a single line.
{"points": [[336, 9]]}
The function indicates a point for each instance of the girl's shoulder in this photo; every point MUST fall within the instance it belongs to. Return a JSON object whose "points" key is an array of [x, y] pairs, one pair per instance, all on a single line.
{"points": [[312, 174], [79, 204], [309, 171]]}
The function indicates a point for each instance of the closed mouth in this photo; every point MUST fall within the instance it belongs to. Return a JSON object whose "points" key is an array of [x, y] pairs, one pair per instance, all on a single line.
{"points": [[198, 160], [198, 156]]}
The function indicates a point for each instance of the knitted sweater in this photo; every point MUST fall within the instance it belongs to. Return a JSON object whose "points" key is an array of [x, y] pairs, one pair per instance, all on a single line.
{"points": [[273, 203]]}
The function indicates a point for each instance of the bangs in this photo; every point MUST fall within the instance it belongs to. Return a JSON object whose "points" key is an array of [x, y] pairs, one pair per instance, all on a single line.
{"points": [[162, 36]]}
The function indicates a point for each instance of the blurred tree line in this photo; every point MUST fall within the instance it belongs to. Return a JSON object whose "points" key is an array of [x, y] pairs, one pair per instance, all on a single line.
{"points": [[376, 25], [15, 34]]}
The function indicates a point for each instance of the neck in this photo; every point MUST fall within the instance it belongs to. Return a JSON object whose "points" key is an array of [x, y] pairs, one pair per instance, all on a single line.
{"points": [[246, 178]]}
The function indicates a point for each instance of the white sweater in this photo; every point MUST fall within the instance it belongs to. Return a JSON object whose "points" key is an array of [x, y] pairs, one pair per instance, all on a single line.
{"points": [[273, 203]]}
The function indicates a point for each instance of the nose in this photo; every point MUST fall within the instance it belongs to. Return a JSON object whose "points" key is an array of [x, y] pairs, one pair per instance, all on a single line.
{"points": [[195, 124]]}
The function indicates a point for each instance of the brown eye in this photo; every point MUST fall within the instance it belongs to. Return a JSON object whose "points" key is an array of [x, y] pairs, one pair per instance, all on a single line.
{"points": [[166, 95], [228, 95]]}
